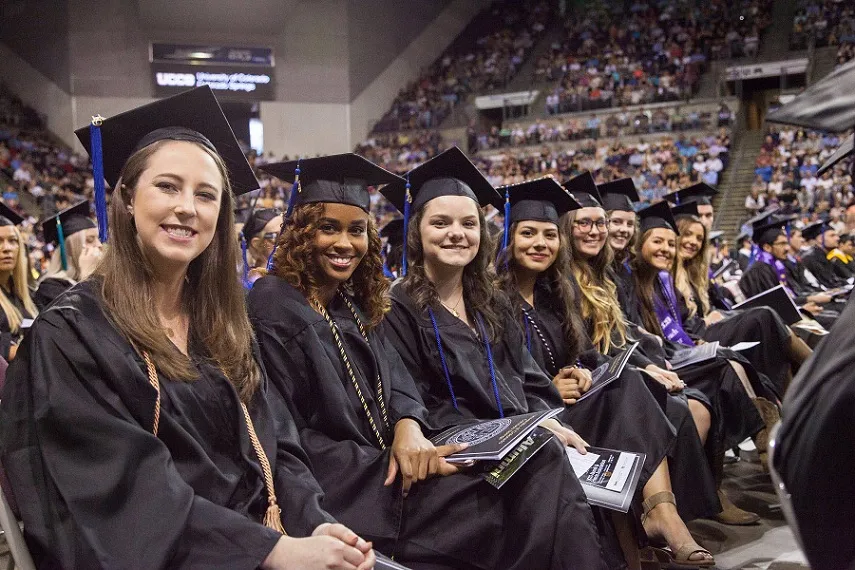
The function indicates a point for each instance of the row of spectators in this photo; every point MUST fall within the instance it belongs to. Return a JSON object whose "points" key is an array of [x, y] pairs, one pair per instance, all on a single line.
{"points": [[506, 33], [621, 123], [828, 22], [786, 170]]}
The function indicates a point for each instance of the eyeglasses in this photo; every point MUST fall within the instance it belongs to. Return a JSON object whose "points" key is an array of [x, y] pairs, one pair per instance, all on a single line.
{"points": [[586, 224], [781, 243], [271, 236]]}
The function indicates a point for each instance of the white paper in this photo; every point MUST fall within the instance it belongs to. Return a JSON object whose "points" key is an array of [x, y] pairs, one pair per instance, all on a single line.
{"points": [[744, 346], [621, 472], [580, 463], [26, 323]]}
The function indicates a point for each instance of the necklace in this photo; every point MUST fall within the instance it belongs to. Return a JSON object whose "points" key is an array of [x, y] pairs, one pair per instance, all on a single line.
{"points": [[453, 310]]}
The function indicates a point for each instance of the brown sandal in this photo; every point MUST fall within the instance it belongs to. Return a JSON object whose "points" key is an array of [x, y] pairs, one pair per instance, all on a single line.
{"points": [[667, 557]]}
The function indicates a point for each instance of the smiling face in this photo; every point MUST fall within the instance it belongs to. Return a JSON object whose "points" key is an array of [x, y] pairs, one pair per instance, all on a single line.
{"points": [[659, 248], [691, 241], [176, 204], [590, 230], [536, 245], [451, 232], [9, 248], [340, 243], [621, 229]]}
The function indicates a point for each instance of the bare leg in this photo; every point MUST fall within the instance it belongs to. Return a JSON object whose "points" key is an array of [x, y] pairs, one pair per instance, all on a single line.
{"points": [[743, 377], [702, 417]]}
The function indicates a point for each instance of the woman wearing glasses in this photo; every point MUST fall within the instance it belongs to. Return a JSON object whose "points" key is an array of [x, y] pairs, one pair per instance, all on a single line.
{"points": [[259, 236]]}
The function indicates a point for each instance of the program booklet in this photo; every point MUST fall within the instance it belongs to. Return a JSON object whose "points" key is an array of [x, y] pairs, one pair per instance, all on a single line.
{"points": [[776, 299], [519, 456], [491, 440], [693, 355], [608, 372], [609, 477]]}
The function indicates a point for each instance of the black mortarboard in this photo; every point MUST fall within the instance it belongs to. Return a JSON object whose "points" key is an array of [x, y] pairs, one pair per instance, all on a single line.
{"points": [[193, 116], [619, 195], [393, 231], [827, 105], [337, 178], [449, 173], [768, 231], [742, 237], [257, 220], [584, 189], [656, 216], [9, 215], [242, 214], [844, 150], [74, 219], [541, 200], [814, 230], [685, 209], [700, 193], [788, 197]]}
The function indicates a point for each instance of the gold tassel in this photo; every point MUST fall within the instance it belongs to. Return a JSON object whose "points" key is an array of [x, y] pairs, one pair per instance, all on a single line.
{"points": [[273, 518]]}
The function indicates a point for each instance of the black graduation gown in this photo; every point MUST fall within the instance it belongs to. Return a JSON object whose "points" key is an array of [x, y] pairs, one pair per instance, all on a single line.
{"points": [[7, 337], [843, 269], [816, 261], [97, 489], [761, 277], [813, 452], [49, 289], [633, 413], [566, 521], [458, 521]]}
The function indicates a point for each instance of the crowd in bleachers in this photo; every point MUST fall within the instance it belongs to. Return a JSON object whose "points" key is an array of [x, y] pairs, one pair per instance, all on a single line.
{"points": [[828, 22], [787, 165], [503, 37]]}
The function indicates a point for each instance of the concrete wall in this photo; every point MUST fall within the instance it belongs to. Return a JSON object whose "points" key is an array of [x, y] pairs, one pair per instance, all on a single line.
{"points": [[305, 129], [37, 31]]}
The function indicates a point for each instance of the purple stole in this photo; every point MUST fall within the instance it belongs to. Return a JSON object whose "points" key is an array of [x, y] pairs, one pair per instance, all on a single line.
{"points": [[667, 312], [780, 270]]}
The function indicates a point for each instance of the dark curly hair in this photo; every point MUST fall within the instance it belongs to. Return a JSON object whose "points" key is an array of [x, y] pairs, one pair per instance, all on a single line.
{"points": [[478, 277], [557, 281], [294, 262]]}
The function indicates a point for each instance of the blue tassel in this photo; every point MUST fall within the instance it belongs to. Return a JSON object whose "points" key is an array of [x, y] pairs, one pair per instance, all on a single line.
{"points": [[246, 283], [292, 201], [753, 257], [60, 236], [408, 198], [98, 173], [507, 224]]}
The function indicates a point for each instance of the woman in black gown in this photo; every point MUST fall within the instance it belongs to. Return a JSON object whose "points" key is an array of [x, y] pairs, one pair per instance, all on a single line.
{"points": [[136, 427], [16, 306], [780, 351], [534, 271], [359, 414], [457, 336], [75, 258]]}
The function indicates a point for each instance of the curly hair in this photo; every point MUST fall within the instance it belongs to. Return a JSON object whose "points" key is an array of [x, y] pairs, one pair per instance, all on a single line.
{"points": [[478, 277], [691, 278], [600, 304], [556, 280], [294, 262]]}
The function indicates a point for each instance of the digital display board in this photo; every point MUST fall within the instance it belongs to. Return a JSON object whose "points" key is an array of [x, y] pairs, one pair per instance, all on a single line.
{"points": [[232, 72]]}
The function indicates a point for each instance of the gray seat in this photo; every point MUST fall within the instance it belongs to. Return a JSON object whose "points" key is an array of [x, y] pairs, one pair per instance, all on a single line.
{"points": [[21, 558]]}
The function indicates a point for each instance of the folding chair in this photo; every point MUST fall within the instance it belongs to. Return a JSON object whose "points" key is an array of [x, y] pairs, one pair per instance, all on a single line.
{"points": [[21, 558]]}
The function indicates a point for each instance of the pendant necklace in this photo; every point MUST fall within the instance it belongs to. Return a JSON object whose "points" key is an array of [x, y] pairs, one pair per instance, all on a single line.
{"points": [[453, 310]]}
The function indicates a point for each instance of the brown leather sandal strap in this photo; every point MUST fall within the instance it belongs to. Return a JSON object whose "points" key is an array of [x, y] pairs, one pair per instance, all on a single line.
{"points": [[656, 499]]}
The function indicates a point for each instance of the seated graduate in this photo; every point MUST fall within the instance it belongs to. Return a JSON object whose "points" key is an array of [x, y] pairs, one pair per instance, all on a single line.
{"points": [[779, 352], [819, 259], [15, 302], [136, 427], [75, 256], [534, 271], [258, 238], [393, 233], [459, 339], [360, 416], [841, 256], [728, 382]]}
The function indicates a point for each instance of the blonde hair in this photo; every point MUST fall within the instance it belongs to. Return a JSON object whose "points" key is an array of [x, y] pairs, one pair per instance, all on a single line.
{"points": [[74, 245], [20, 283], [691, 278]]}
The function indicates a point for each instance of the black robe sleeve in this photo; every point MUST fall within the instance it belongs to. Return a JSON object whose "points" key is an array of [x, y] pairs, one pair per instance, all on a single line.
{"points": [[96, 488], [48, 290]]}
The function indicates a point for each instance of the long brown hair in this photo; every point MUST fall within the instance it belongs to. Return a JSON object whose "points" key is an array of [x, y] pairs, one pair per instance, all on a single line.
{"points": [[556, 279], [212, 296], [644, 276], [478, 276], [691, 278], [294, 262], [600, 304]]}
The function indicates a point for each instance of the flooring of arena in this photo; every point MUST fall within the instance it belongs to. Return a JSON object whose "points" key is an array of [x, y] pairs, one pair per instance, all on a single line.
{"points": [[769, 545]]}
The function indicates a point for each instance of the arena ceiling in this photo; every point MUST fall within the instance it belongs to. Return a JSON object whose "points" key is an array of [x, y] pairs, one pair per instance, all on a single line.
{"points": [[253, 17]]}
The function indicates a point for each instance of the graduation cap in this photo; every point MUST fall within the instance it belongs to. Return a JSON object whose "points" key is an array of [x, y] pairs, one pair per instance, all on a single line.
{"points": [[814, 230], [743, 236], [8, 216], [193, 116], [827, 105], [843, 151], [699, 193], [59, 227], [449, 173], [685, 209], [657, 216], [619, 195], [393, 231], [541, 200], [584, 189], [768, 231], [715, 235], [257, 220], [337, 178]]}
